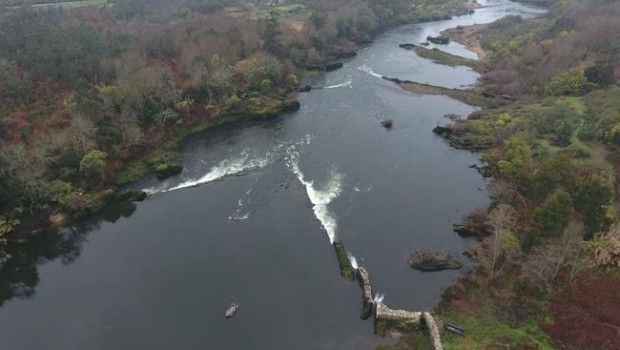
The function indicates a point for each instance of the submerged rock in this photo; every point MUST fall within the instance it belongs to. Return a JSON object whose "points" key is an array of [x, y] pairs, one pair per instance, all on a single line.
{"points": [[407, 46], [333, 66], [443, 131], [465, 231], [388, 123], [430, 261], [443, 40]]}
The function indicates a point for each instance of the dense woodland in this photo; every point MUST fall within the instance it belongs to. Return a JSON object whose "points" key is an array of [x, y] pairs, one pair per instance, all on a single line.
{"points": [[548, 261], [93, 97]]}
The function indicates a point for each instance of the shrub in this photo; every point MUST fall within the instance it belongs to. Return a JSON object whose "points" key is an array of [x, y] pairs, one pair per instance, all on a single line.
{"points": [[572, 82], [93, 164]]}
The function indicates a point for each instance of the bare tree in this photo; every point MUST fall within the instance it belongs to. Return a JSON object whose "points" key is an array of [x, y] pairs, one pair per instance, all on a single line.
{"points": [[569, 253], [502, 221], [607, 247]]}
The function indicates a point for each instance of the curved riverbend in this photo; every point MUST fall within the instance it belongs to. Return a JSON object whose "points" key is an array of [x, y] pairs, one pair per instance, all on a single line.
{"points": [[160, 276]]}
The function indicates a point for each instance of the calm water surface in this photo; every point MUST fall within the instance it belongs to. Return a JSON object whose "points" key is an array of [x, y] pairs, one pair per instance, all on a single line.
{"points": [[159, 274]]}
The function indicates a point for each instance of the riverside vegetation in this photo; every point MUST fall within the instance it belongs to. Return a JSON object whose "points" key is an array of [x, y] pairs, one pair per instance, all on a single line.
{"points": [[547, 265], [96, 94]]}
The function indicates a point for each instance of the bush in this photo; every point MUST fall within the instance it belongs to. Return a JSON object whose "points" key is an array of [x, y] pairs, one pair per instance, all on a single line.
{"points": [[93, 164], [572, 82], [554, 214]]}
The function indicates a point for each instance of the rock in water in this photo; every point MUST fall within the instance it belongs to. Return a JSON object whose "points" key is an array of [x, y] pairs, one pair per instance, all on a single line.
{"points": [[388, 123], [430, 261], [443, 40], [333, 66]]}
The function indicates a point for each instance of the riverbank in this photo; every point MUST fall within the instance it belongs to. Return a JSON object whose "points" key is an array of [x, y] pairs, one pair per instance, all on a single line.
{"points": [[471, 97], [538, 263], [469, 36]]}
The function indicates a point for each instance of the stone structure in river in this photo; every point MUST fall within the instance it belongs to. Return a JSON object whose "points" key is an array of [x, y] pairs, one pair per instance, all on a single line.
{"points": [[395, 321], [364, 280]]}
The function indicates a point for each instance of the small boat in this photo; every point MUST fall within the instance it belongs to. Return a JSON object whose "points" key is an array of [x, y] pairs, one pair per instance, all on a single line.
{"points": [[231, 310], [452, 328]]}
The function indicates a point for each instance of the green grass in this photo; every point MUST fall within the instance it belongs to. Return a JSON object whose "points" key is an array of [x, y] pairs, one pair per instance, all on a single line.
{"points": [[445, 58], [486, 331]]}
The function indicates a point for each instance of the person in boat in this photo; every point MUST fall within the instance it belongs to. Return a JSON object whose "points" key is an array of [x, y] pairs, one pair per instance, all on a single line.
{"points": [[231, 310]]}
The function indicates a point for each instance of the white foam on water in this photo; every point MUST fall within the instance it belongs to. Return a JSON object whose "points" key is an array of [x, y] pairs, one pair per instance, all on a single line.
{"points": [[369, 70], [320, 197], [238, 216], [348, 83], [240, 213], [378, 298], [245, 161], [367, 189], [353, 260]]}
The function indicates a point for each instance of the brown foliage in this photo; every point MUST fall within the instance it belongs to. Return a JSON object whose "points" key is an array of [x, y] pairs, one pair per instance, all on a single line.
{"points": [[586, 315]]}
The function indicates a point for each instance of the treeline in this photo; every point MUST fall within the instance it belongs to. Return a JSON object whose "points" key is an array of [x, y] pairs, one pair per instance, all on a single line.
{"points": [[572, 46], [86, 92]]}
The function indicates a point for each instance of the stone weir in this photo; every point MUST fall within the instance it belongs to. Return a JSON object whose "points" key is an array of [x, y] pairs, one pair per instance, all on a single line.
{"points": [[389, 321], [364, 280], [393, 322]]}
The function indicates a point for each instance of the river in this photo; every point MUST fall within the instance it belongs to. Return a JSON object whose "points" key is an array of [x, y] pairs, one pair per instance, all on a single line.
{"points": [[252, 216]]}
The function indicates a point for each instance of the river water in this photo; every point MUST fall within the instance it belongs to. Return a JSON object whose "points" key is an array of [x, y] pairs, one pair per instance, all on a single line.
{"points": [[252, 217]]}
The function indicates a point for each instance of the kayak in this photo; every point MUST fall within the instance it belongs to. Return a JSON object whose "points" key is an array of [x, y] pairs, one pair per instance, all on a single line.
{"points": [[231, 310]]}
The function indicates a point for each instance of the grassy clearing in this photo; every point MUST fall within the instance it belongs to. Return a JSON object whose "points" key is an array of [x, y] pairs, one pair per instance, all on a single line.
{"points": [[500, 317], [486, 331]]}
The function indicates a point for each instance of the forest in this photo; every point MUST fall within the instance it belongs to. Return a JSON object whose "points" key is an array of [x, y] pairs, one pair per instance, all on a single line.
{"points": [[96, 96], [548, 255]]}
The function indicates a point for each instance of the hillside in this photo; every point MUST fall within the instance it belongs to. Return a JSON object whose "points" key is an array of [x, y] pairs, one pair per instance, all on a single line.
{"points": [[94, 97], [548, 257]]}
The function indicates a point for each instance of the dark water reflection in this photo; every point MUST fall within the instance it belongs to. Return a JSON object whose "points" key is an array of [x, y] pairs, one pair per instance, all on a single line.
{"points": [[19, 276]]}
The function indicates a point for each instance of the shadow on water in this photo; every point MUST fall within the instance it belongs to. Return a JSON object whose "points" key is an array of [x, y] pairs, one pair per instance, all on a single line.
{"points": [[19, 276]]}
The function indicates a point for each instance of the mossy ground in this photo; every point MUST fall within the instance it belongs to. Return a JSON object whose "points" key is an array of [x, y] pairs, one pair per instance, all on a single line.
{"points": [[346, 269]]}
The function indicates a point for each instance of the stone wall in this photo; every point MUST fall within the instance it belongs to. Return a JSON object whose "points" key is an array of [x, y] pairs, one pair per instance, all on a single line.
{"points": [[433, 330], [395, 321]]}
